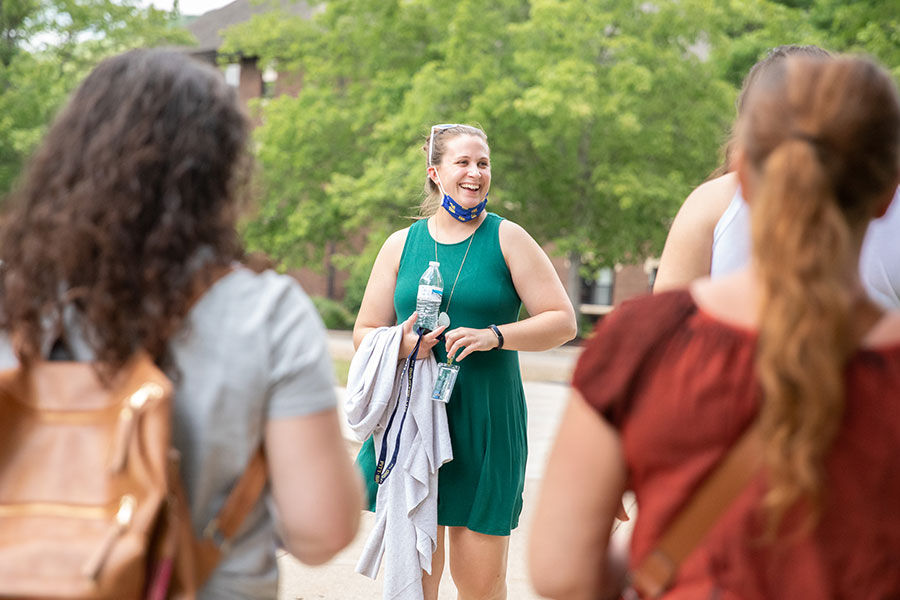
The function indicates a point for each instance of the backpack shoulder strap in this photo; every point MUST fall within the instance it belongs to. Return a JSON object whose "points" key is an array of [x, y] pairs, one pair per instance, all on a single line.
{"points": [[218, 533], [655, 573]]}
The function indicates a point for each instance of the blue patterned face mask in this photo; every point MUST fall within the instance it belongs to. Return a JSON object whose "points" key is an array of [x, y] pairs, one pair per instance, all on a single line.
{"points": [[462, 214], [455, 209]]}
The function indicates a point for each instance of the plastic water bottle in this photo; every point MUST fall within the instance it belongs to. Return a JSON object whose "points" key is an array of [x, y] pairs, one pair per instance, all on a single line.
{"points": [[428, 299]]}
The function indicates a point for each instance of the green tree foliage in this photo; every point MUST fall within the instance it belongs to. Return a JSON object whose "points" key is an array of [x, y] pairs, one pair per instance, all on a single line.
{"points": [[47, 46], [622, 117], [602, 114], [748, 28], [356, 59], [865, 26], [601, 117]]}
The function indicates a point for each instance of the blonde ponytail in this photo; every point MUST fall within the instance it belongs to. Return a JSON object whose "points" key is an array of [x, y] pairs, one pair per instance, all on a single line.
{"points": [[820, 139], [802, 245]]}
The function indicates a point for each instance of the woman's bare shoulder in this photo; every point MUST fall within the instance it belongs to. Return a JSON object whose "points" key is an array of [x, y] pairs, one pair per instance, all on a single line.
{"points": [[398, 238], [708, 201], [510, 228], [393, 245]]}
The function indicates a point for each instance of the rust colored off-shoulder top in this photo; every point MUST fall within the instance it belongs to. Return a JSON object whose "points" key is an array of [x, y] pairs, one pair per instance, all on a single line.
{"points": [[679, 385]]}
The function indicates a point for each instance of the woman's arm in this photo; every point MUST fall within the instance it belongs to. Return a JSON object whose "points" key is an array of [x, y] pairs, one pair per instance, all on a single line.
{"points": [[317, 491], [688, 251], [580, 496], [377, 308], [552, 320]]}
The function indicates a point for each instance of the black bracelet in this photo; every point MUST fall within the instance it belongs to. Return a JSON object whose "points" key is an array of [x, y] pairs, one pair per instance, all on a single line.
{"points": [[499, 335]]}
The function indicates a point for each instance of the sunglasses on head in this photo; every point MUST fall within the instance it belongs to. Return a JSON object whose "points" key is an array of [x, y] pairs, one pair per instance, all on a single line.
{"points": [[434, 128]]}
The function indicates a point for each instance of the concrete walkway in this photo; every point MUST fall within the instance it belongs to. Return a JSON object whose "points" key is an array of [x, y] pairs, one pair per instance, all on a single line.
{"points": [[546, 376]]}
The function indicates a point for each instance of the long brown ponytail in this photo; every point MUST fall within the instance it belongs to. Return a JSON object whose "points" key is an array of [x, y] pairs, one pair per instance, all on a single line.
{"points": [[804, 335], [823, 139]]}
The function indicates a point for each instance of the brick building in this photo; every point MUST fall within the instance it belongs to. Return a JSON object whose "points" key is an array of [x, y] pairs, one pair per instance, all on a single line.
{"points": [[242, 71]]}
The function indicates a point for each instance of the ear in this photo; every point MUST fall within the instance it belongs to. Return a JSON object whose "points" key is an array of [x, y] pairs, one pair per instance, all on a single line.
{"points": [[432, 174]]}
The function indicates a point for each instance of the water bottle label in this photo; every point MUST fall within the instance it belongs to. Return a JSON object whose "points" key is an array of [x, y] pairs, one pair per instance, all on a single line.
{"points": [[429, 292]]}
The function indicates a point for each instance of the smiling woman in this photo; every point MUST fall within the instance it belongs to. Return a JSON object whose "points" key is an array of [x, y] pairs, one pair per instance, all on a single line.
{"points": [[468, 166], [491, 267]]}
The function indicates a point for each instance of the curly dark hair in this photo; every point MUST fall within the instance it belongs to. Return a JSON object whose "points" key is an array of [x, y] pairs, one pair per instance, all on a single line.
{"points": [[136, 183]]}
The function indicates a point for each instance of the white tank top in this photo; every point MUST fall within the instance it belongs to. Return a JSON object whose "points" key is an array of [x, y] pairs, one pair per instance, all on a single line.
{"points": [[879, 261], [731, 238]]}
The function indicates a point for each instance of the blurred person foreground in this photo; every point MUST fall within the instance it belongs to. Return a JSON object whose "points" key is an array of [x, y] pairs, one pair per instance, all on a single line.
{"points": [[121, 292], [710, 235], [771, 386]]}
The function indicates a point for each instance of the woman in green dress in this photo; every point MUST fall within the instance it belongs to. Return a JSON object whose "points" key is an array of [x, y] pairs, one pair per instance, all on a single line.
{"points": [[490, 267]]}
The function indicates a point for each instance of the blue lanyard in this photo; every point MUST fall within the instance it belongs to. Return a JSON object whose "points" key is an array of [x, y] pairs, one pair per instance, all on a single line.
{"points": [[382, 471]]}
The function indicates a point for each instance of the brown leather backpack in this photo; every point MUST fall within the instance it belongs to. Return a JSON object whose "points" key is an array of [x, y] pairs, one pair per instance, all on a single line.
{"points": [[91, 504]]}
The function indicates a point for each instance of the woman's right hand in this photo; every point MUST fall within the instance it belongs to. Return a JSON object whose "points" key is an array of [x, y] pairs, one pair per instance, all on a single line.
{"points": [[410, 336]]}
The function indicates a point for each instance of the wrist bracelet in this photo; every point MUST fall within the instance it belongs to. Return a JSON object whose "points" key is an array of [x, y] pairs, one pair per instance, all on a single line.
{"points": [[499, 335]]}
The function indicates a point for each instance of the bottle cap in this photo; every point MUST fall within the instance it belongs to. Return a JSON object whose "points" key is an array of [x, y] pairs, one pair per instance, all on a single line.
{"points": [[433, 263]]}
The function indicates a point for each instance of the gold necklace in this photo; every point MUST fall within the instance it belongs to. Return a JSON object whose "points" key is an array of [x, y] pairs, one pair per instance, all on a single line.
{"points": [[444, 318]]}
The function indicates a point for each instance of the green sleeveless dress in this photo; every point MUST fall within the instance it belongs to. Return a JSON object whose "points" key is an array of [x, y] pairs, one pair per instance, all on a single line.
{"points": [[481, 488]]}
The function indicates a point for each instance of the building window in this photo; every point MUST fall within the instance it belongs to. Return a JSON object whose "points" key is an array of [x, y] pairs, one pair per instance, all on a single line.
{"points": [[269, 78], [599, 291], [233, 74]]}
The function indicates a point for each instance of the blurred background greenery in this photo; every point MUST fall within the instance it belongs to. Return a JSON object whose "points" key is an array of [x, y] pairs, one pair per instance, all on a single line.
{"points": [[602, 115]]}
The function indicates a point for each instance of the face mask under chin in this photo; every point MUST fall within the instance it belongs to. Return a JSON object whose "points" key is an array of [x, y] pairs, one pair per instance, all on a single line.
{"points": [[463, 214], [458, 212]]}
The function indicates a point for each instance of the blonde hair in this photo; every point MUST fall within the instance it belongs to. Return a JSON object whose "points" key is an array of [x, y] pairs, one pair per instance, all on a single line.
{"points": [[825, 137], [433, 197]]}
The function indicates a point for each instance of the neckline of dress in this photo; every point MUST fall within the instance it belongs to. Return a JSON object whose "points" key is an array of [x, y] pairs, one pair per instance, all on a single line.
{"points": [[462, 241]]}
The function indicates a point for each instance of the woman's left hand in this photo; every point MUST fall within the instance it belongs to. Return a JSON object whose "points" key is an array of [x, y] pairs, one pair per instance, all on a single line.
{"points": [[469, 340]]}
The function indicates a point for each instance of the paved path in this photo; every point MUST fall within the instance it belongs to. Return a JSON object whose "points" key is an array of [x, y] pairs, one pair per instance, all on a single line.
{"points": [[546, 390]]}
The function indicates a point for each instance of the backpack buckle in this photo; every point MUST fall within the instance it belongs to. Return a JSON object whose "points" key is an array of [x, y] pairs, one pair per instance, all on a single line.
{"points": [[214, 534]]}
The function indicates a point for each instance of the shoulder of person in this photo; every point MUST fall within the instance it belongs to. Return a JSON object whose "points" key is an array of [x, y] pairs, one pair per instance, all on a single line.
{"points": [[511, 232], [395, 241], [635, 327], [392, 248], [647, 318], [516, 244], [398, 237], [263, 285], [709, 200], [621, 345], [265, 299]]}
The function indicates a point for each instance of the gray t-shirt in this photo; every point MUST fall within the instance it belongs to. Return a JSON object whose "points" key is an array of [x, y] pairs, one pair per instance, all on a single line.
{"points": [[253, 348]]}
